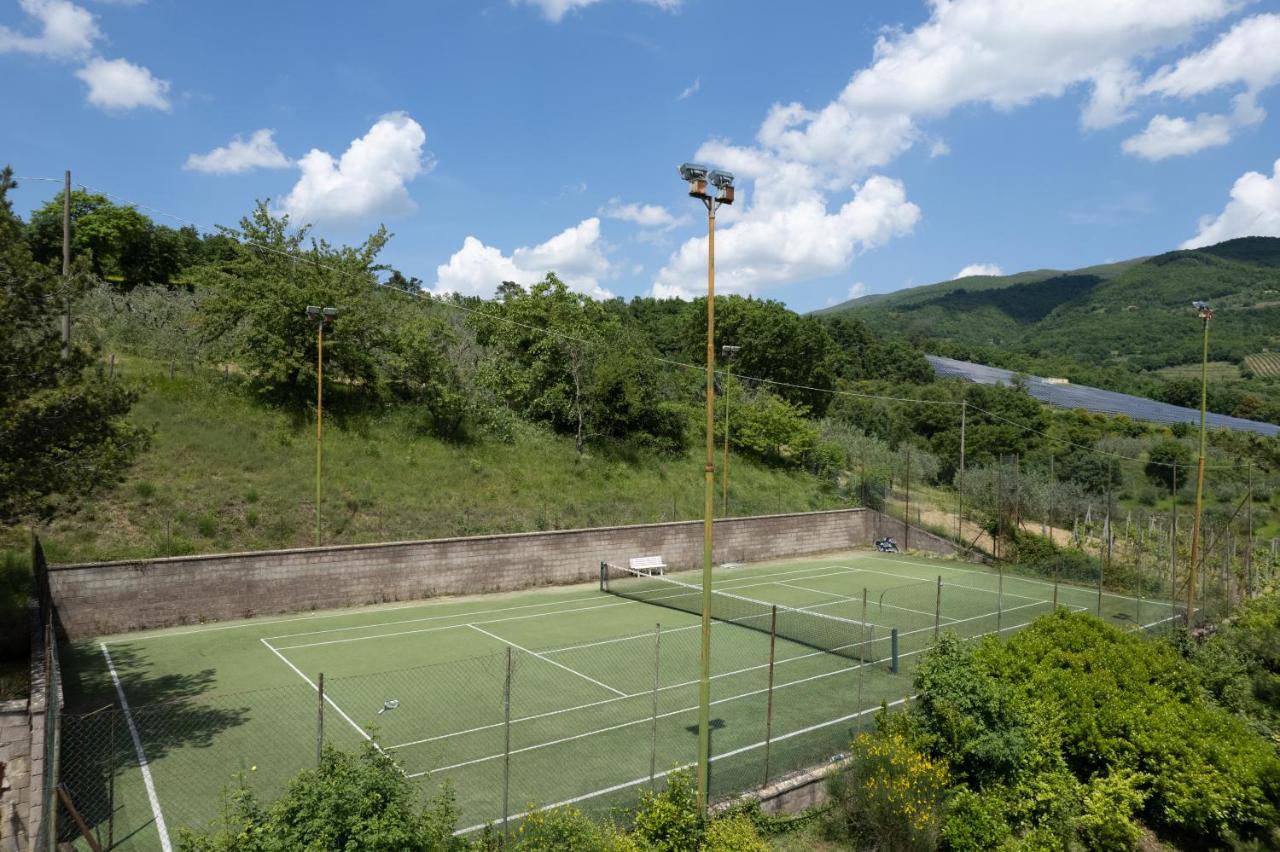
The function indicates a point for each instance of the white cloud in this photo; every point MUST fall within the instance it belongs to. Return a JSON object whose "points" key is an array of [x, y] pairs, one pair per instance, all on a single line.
{"points": [[367, 180], [237, 156], [999, 53], [67, 31], [555, 10], [117, 85], [691, 89], [652, 216], [1248, 53], [781, 244], [939, 148], [857, 291], [979, 269], [576, 255], [1254, 210], [1172, 137]]}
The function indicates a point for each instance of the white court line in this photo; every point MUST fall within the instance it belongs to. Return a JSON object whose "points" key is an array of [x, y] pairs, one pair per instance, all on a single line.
{"points": [[604, 791], [850, 599], [161, 828], [327, 699], [548, 660]]}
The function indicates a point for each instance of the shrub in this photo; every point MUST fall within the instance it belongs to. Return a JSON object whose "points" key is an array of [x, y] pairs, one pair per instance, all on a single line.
{"points": [[569, 829], [734, 833], [891, 795], [668, 820], [1106, 823], [974, 822]]}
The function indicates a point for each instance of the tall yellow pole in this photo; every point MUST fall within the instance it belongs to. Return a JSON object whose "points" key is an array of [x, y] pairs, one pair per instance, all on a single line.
{"points": [[1195, 525], [704, 679], [319, 416]]}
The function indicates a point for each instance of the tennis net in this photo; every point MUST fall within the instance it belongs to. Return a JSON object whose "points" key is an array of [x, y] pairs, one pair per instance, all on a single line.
{"points": [[844, 637]]}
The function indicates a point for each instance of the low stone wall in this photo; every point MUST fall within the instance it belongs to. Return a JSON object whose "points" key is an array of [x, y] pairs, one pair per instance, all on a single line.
{"points": [[22, 736], [115, 597]]}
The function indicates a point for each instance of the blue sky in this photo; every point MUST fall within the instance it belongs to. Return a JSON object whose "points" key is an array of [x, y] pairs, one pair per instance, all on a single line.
{"points": [[877, 145]]}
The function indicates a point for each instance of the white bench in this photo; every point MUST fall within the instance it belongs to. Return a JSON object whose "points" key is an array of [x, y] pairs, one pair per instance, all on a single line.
{"points": [[648, 564]]}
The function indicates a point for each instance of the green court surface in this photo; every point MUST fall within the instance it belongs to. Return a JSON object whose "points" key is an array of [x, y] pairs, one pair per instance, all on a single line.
{"points": [[601, 700]]}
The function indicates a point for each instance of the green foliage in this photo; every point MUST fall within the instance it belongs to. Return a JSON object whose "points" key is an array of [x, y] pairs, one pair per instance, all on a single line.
{"points": [[771, 428], [568, 829], [1239, 665], [1106, 822], [62, 429], [974, 822], [1161, 460], [733, 833], [667, 820], [890, 797], [350, 802]]}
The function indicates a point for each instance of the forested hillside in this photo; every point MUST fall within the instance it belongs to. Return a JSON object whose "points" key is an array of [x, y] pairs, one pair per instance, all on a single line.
{"points": [[1126, 326]]}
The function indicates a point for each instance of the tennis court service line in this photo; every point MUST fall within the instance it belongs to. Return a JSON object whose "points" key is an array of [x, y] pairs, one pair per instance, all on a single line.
{"points": [[839, 598], [546, 659], [150, 784], [327, 698]]}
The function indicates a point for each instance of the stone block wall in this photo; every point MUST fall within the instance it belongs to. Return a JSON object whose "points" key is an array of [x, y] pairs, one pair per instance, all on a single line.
{"points": [[115, 597]]}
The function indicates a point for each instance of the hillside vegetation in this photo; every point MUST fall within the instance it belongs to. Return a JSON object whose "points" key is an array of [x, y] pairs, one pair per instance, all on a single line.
{"points": [[1116, 325]]}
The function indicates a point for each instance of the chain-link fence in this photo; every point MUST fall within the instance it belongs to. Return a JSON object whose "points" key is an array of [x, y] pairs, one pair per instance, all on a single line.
{"points": [[591, 721]]}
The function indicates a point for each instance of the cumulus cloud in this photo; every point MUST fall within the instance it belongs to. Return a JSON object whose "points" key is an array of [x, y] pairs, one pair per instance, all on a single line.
{"points": [[791, 242], [555, 10], [1254, 210], [117, 85], [979, 269], [239, 155], [651, 216], [367, 180], [999, 53], [67, 31], [857, 291], [691, 89], [576, 255], [1173, 137]]}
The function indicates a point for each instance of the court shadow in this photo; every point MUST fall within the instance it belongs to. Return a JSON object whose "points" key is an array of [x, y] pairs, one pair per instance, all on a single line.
{"points": [[98, 748]]}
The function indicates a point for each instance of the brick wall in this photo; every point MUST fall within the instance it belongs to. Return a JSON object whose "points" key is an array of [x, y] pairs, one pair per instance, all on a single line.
{"points": [[115, 597]]}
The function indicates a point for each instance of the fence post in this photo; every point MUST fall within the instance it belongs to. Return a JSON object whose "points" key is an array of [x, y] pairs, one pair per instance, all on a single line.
{"points": [[862, 657], [111, 370], [506, 752], [999, 598], [937, 610], [1057, 577], [320, 719], [768, 709], [893, 650], [653, 733]]}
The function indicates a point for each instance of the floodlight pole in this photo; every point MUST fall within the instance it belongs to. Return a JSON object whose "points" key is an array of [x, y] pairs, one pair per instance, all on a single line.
{"points": [[698, 177], [1206, 314]]}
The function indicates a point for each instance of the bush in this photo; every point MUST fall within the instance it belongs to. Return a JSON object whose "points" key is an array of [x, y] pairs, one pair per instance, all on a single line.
{"points": [[1109, 804], [974, 822], [568, 828], [668, 820], [734, 833], [891, 795]]}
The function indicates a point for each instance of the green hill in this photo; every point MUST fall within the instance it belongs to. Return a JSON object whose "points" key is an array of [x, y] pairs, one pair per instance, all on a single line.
{"points": [[1134, 314]]}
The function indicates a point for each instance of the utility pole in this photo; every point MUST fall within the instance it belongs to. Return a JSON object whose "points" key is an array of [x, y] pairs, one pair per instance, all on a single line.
{"points": [[906, 510], [66, 264], [964, 408]]}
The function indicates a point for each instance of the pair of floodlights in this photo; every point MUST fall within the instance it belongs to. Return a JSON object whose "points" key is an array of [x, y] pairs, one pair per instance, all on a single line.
{"points": [[1203, 310], [324, 315], [698, 176]]}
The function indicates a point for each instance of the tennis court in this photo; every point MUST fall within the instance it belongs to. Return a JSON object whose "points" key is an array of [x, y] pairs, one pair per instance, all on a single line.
{"points": [[522, 700]]}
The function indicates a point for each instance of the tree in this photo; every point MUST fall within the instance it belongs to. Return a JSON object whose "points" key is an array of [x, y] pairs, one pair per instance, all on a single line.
{"points": [[62, 429], [1162, 458], [259, 293]]}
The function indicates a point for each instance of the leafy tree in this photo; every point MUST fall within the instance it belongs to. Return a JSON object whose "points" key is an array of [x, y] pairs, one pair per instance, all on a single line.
{"points": [[258, 296], [350, 801], [62, 429], [868, 356], [1161, 460]]}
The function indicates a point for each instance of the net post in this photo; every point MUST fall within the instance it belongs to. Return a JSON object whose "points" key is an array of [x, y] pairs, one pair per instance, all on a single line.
{"points": [[506, 752], [768, 710], [893, 650], [320, 719], [937, 610], [604, 576], [653, 732]]}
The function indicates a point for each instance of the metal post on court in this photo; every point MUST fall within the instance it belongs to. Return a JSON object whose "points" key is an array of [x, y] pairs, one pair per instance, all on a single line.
{"points": [[506, 752], [657, 676], [999, 598], [937, 610], [862, 658], [893, 650], [768, 708], [320, 719]]}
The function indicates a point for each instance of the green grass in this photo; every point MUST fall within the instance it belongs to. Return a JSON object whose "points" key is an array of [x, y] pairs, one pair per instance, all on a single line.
{"points": [[1264, 363], [227, 473], [218, 701], [1219, 371]]}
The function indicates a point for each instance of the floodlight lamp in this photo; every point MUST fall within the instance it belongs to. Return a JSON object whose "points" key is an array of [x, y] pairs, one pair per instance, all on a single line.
{"points": [[720, 179], [330, 314], [693, 171], [729, 351], [313, 311], [1203, 309]]}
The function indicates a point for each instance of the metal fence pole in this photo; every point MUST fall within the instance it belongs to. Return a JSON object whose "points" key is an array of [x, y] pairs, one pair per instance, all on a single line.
{"points": [[937, 610], [320, 719], [862, 658], [999, 598], [768, 709], [893, 650], [653, 733], [506, 752]]}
